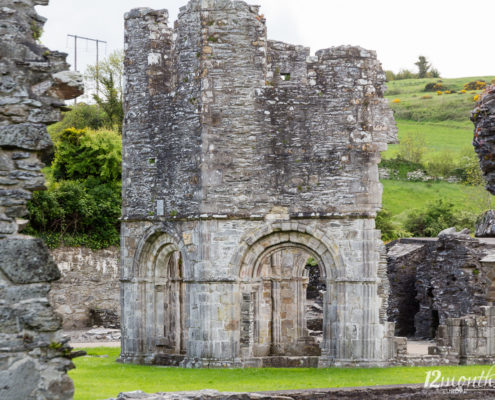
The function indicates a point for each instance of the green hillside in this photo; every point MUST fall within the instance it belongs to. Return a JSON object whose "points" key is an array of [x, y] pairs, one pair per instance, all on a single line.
{"points": [[436, 122]]}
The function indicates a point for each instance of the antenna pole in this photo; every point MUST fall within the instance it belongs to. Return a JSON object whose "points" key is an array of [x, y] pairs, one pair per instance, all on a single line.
{"points": [[97, 41]]}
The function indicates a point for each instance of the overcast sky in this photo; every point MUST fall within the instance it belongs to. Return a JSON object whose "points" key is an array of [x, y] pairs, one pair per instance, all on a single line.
{"points": [[456, 35]]}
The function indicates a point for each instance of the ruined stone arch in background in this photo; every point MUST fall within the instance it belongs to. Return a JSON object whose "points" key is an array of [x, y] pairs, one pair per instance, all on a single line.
{"points": [[254, 154]]}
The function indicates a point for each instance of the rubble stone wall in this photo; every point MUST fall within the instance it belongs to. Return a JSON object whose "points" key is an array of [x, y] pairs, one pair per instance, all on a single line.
{"points": [[236, 148], [89, 286], [468, 340], [483, 117], [33, 83], [441, 278]]}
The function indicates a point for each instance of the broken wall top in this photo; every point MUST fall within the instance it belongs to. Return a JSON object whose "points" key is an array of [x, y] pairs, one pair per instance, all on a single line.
{"points": [[219, 120]]}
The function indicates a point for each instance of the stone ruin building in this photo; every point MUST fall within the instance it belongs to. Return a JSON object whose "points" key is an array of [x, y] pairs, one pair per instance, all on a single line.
{"points": [[433, 279], [242, 158], [34, 82]]}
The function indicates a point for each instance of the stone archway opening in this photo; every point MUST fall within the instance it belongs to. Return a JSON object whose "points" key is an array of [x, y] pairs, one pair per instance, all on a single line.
{"points": [[315, 293], [157, 314], [169, 302], [280, 321], [284, 309]]}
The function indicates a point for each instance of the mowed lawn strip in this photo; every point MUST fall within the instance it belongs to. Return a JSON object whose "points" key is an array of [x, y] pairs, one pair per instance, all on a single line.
{"points": [[97, 378]]}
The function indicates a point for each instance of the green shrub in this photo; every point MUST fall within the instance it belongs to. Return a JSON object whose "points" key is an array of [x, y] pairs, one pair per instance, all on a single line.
{"points": [[469, 165], [412, 147], [389, 76], [441, 165], [77, 212], [405, 74], [82, 205], [434, 87], [435, 218], [401, 167], [475, 85], [390, 231], [81, 116], [81, 154]]}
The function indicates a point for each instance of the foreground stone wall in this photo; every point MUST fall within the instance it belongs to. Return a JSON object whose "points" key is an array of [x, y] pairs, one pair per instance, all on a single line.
{"points": [[439, 278], [483, 117], [238, 150], [33, 83], [484, 391], [89, 286]]}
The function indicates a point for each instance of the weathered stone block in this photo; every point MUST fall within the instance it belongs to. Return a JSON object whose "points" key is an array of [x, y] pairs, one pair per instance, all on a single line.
{"points": [[25, 136], [27, 260]]}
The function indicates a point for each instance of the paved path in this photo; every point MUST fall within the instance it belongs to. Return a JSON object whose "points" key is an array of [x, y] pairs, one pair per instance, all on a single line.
{"points": [[418, 347]]}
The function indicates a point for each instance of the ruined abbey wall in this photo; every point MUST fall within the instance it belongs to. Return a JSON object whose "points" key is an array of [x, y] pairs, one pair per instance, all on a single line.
{"points": [[238, 150], [483, 117], [33, 83]]}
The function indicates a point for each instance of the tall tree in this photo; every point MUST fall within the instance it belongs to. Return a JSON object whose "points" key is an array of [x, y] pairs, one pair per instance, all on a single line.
{"points": [[105, 81], [423, 67]]}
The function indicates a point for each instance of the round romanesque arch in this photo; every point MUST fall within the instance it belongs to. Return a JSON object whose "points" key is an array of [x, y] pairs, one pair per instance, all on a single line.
{"points": [[273, 293], [269, 236], [159, 274], [154, 241]]}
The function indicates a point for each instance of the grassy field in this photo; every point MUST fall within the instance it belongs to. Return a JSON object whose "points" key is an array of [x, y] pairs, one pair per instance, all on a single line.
{"points": [[451, 136], [400, 197], [97, 377], [446, 107], [443, 121]]}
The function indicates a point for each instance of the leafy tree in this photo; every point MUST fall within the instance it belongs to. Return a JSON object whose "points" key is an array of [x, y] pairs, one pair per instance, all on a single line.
{"points": [[389, 76], [435, 218], [112, 65], [108, 78], [81, 154], [111, 103], [423, 67], [412, 147], [81, 116]]}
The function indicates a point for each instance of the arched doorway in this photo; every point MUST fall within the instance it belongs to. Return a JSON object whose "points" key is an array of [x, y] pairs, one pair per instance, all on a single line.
{"points": [[160, 311], [169, 304], [274, 280], [280, 303]]}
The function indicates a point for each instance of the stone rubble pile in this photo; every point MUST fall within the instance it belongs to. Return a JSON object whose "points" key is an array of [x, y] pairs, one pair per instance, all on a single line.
{"points": [[99, 334]]}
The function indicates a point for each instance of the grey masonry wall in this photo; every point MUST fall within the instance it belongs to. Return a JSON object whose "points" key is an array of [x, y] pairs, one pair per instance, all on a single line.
{"points": [[483, 117], [433, 279], [33, 83], [89, 285], [237, 148]]}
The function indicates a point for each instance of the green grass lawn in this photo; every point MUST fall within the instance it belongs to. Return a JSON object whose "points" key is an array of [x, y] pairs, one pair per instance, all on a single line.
{"points": [[400, 197], [97, 378], [451, 136]]}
